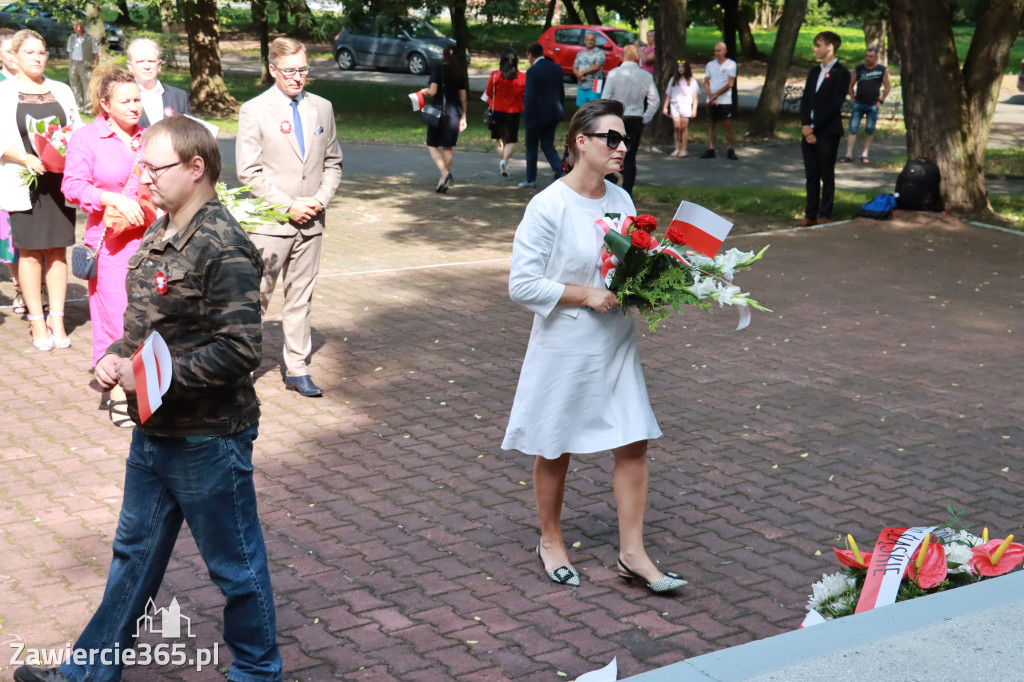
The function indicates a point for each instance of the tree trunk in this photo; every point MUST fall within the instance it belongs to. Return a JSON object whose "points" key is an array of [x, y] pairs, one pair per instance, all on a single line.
{"points": [[571, 15], [747, 45], [460, 29], [730, 22], [767, 113], [589, 8], [304, 21], [874, 37], [748, 48], [94, 23], [948, 111], [124, 18], [210, 94], [262, 29], [669, 48], [550, 15]]}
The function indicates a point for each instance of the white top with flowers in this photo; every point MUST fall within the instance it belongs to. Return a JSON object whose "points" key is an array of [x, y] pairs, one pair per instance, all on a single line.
{"points": [[581, 388]]}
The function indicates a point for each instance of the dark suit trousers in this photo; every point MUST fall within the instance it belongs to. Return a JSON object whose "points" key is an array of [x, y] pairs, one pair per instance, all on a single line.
{"points": [[820, 168], [544, 135]]}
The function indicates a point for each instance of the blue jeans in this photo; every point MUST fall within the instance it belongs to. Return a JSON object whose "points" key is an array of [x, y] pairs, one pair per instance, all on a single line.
{"points": [[208, 483], [859, 112], [544, 135]]}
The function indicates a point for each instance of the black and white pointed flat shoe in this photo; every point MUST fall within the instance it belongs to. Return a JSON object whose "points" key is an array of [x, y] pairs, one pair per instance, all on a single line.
{"points": [[563, 575], [670, 582]]}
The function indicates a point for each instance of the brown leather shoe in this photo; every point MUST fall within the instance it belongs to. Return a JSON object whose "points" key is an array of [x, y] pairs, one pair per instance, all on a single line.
{"points": [[807, 222], [824, 221]]}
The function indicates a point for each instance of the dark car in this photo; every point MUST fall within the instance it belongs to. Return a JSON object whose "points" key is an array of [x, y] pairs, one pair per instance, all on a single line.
{"points": [[55, 32], [562, 43], [396, 43], [1020, 77]]}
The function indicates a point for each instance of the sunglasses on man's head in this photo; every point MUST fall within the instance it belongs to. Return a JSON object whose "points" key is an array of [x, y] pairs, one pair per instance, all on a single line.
{"points": [[613, 138]]}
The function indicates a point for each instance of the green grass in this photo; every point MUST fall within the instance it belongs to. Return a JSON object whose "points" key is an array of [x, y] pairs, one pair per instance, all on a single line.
{"points": [[1011, 207], [786, 202], [999, 163]]}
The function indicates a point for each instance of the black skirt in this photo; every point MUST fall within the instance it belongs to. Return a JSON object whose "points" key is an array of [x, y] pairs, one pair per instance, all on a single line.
{"points": [[446, 134], [505, 127]]}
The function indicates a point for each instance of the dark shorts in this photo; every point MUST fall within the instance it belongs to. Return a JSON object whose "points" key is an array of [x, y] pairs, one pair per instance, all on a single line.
{"points": [[719, 112], [506, 127]]}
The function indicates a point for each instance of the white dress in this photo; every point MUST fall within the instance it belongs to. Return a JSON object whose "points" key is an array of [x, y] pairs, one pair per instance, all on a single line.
{"points": [[581, 388], [681, 95]]}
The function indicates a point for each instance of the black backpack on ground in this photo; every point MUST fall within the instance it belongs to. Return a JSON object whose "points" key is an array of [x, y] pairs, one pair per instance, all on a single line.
{"points": [[917, 187]]}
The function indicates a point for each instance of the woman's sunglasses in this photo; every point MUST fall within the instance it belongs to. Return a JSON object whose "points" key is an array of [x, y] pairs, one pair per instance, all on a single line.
{"points": [[613, 138]]}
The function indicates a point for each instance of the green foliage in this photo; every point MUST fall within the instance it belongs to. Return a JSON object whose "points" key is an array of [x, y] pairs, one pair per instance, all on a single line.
{"points": [[956, 519]]}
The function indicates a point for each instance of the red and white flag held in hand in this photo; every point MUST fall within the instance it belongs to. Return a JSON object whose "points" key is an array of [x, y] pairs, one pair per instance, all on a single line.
{"points": [[705, 231], [151, 365]]}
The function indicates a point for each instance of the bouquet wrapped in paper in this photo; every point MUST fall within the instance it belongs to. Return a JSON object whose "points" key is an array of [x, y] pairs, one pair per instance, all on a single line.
{"points": [[656, 277], [50, 142]]}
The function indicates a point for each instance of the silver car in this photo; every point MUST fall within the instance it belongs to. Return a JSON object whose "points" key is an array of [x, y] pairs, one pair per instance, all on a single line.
{"points": [[398, 43]]}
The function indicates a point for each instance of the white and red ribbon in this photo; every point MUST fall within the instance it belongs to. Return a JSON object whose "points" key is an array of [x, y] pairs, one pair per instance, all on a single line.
{"points": [[151, 365], [889, 561]]}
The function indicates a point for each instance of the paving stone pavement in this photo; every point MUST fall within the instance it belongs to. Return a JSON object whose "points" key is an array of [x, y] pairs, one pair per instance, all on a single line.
{"points": [[884, 387]]}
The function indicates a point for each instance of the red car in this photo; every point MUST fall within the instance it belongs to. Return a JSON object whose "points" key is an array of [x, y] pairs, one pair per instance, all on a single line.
{"points": [[563, 43]]}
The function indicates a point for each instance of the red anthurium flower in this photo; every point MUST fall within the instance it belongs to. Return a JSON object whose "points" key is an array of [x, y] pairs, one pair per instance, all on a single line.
{"points": [[981, 562], [933, 569], [848, 558]]}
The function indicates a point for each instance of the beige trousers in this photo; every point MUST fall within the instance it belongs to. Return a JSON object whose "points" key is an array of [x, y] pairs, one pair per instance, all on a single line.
{"points": [[297, 260]]}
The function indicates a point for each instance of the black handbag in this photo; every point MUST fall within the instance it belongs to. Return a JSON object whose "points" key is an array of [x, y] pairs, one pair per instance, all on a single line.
{"points": [[83, 262], [489, 118], [435, 116], [432, 116]]}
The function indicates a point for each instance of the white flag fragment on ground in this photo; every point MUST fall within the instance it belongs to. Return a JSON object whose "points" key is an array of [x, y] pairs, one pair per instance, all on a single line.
{"points": [[609, 673]]}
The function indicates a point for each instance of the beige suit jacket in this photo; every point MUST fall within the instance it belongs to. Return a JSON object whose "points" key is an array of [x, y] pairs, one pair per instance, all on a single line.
{"points": [[269, 160]]}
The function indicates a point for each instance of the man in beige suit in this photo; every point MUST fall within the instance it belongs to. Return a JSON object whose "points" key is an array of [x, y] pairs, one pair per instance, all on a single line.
{"points": [[287, 150]]}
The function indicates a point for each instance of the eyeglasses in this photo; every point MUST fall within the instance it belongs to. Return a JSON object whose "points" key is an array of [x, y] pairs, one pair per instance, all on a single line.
{"points": [[155, 172], [302, 71], [613, 138]]}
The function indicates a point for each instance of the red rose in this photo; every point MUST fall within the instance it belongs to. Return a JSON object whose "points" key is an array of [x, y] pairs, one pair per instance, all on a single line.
{"points": [[52, 128], [676, 236], [641, 239], [645, 222]]}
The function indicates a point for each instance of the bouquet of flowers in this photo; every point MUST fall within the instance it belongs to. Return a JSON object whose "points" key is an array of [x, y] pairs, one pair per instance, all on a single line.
{"points": [[250, 212], [655, 277], [50, 142], [915, 562]]}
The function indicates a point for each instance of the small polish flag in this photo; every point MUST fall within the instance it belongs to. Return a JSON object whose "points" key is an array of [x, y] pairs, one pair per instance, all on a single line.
{"points": [[705, 231], [151, 365], [417, 99]]}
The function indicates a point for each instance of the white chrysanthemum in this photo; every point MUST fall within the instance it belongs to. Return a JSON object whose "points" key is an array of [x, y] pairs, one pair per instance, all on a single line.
{"points": [[969, 539], [958, 553], [829, 588]]}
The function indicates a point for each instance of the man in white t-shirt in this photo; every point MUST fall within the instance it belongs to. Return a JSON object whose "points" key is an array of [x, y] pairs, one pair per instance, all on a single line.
{"points": [[719, 79]]}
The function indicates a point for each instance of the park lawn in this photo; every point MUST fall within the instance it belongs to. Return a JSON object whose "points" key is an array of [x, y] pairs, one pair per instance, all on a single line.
{"points": [[780, 202]]}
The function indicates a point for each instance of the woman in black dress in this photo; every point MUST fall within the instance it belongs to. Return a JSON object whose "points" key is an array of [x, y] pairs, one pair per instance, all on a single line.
{"points": [[447, 90], [43, 226]]}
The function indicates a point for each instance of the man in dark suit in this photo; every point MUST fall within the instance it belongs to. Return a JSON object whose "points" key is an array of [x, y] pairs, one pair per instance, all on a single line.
{"points": [[543, 108], [822, 127], [159, 100]]}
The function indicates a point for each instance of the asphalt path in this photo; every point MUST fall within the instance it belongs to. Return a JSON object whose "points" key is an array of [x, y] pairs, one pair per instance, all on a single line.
{"points": [[759, 166]]}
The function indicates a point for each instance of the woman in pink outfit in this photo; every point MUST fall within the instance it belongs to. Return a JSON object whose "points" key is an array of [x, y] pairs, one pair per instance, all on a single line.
{"points": [[100, 160]]}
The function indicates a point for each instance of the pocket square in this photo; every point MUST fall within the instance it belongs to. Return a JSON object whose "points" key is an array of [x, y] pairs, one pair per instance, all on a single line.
{"points": [[318, 129]]}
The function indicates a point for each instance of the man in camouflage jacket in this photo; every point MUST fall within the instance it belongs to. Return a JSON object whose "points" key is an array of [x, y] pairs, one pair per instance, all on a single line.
{"points": [[196, 281]]}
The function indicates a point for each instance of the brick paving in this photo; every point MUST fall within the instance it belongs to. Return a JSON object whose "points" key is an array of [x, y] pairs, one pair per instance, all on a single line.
{"points": [[884, 387]]}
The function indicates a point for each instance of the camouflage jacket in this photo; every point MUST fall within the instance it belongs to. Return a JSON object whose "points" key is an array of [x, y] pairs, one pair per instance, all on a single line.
{"points": [[201, 291]]}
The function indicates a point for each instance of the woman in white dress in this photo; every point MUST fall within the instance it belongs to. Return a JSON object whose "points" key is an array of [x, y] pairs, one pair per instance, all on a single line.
{"points": [[681, 104], [581, 388]]}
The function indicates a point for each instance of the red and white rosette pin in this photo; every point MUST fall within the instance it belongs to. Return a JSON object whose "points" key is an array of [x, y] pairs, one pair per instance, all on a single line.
{"points": [[160, 279], [136, 144], [168, 112], [286, 127]]}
